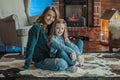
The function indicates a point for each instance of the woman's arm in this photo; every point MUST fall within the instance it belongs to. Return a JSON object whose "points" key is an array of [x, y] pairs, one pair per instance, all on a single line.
{"points": [[32, 40]]}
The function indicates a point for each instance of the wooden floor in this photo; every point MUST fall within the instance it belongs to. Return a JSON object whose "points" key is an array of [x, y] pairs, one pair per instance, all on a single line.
{"points": [[95, 46], [91, 39]]}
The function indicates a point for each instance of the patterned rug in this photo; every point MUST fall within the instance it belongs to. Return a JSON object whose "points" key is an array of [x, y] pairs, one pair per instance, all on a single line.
{"points": [[95, 65]]}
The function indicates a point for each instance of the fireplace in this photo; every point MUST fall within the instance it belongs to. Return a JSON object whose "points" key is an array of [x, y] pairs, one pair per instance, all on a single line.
{"points": [[76, 12]]}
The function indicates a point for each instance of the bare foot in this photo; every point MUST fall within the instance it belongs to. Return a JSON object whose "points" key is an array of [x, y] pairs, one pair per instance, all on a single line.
{"points": [[80, 60]]}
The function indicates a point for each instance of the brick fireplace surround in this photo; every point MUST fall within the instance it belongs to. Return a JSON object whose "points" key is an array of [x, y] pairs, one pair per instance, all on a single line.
{"points": [[93, 33]]}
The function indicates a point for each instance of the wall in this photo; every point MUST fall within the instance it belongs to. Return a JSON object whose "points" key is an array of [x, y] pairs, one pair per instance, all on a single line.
{"points": [[108, 4], [105, 4]]}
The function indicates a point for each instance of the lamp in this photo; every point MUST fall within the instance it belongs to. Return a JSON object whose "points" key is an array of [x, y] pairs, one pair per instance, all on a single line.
{"points": [[104, 30]]}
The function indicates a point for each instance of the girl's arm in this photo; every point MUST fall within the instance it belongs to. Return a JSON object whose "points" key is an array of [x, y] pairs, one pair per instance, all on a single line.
{"points": [[73, 46], [53, 52], [60, 46]]}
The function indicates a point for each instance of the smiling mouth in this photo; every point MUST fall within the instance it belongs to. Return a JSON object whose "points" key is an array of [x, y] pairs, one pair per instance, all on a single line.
{"points": [[60, 32], [49, 21]]}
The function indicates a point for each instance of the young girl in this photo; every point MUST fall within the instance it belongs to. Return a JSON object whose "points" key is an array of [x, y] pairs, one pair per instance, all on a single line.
{"points": [[61, 46]]}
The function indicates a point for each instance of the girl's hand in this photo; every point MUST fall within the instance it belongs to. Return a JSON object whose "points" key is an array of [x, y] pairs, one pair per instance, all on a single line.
{"points": [[73, 56]]}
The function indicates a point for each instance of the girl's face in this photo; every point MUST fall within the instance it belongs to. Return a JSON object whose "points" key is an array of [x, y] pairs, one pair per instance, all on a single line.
{"points": [[49, 17], [59, 29]]}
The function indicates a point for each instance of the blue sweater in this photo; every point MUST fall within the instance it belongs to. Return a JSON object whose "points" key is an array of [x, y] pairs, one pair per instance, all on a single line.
{"points": [[57, 43], [37, 48]]}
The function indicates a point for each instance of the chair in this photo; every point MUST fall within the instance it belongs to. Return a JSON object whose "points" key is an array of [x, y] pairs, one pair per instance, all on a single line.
{"points": [[114, 36], [15, 22]]}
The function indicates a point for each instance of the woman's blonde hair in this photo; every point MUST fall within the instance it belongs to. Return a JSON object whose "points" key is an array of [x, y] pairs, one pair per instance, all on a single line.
{"points": [[40, 19], [52, 31]]}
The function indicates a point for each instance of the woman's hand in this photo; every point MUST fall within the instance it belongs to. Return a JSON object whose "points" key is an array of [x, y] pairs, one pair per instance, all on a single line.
{"points": [[48, 44], [73, 56]]}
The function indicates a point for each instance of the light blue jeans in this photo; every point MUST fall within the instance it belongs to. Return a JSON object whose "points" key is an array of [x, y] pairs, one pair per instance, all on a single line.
{"points": [[62, 62], [80, 44], [66, 56], [55, 64]]}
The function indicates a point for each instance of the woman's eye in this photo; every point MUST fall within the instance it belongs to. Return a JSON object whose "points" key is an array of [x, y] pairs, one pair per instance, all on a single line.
{"points": [[49, 15]]}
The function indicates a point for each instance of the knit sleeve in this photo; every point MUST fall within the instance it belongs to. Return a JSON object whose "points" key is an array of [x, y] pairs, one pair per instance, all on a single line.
{"points": [[32, 40]]}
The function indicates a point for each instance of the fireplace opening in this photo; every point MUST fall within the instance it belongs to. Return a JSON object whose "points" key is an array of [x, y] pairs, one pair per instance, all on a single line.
{"points": [[75, 12]]}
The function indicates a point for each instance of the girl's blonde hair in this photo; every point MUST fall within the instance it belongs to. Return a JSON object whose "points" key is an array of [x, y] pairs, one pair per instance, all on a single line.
{"points": [[40, 19], [52, 32]]}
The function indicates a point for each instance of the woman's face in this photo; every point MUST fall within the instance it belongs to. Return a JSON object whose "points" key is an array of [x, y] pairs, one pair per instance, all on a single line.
{"points": [[59, 29], [49, 17]]}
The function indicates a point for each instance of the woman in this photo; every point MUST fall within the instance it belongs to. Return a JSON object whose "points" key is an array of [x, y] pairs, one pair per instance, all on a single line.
{"points": [[37, 48]]}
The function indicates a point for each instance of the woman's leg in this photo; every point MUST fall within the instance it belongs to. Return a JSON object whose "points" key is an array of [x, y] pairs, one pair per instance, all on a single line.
{"points": [[79, 43], [55, 64], [66, 57]]}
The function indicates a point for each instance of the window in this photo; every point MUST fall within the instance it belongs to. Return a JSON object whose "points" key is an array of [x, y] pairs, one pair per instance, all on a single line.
{"points": [[38, 6]]}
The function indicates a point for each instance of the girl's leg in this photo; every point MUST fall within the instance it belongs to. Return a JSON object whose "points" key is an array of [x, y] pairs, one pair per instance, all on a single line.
{"points": [[66, 57], [79, 43], [80, 59], [55, 64]]}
